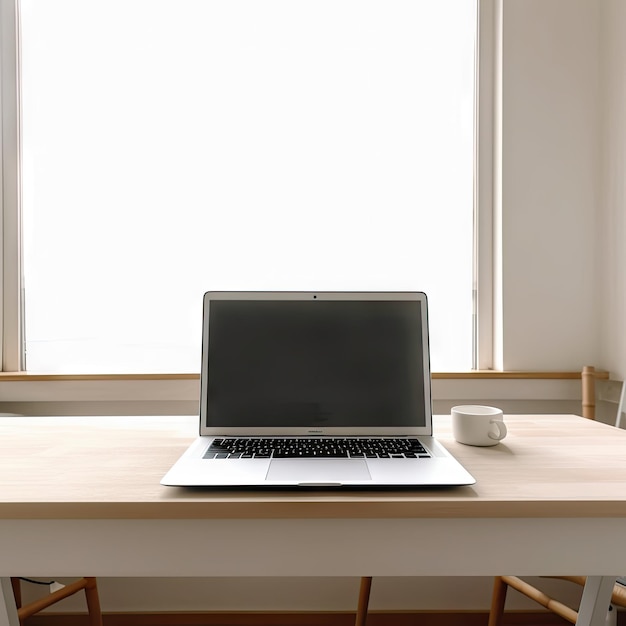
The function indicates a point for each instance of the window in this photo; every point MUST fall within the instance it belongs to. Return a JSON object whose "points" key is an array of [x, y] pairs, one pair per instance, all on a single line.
{"points": [[173, 147]]}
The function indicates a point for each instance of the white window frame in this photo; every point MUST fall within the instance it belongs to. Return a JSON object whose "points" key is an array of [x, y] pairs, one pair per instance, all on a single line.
{"points": [[10, 179], [486, 124], [11, 297]]}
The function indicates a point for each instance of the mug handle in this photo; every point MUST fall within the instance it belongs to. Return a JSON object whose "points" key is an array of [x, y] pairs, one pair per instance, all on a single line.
{"points": [[501, 427]]}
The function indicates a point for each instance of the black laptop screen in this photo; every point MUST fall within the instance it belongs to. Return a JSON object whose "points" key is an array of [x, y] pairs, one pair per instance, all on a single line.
{"points": [[315, 363]]}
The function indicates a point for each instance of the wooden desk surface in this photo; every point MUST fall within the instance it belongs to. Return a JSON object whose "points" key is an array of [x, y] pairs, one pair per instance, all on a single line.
{"points": [[110, 468]]}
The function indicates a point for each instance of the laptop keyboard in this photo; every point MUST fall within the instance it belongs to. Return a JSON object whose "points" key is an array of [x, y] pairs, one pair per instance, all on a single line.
{"points": [[316, 447]]}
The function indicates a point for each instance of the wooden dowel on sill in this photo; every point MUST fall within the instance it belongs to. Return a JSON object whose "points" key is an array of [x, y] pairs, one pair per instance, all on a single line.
{"points": [[588, 378]]}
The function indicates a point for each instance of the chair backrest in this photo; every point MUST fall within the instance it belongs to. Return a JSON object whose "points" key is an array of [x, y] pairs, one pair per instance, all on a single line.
{"points": [[620, 405], [589, 377]]}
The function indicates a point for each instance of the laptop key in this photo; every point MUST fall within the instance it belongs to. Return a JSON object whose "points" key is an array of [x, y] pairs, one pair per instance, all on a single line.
{"points": [[359, 448]]}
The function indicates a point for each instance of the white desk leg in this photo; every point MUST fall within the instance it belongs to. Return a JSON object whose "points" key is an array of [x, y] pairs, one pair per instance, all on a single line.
{"points": [[8, 612], [595, 601]]}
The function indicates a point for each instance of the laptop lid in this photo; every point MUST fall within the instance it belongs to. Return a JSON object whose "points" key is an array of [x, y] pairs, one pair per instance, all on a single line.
{"points": [[315, 363]]}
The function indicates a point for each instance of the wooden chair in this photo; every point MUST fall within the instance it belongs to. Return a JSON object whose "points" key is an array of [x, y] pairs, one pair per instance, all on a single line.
{"points": [[364, 600], [502, 583], [88, 584]]}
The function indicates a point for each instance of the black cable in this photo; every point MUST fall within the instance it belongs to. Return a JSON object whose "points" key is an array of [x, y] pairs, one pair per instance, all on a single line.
{"points": [[37, 582]]}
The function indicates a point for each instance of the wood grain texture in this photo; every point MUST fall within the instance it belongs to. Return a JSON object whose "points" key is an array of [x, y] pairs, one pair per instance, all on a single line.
{"points": [[106, 468]]}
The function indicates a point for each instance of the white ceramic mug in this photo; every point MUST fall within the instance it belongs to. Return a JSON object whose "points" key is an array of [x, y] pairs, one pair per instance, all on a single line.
{"points": [[478, 425]]}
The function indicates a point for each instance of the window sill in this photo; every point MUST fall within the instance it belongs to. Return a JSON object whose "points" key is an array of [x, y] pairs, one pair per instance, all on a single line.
{"points": [[469, 375], [22, 393]]}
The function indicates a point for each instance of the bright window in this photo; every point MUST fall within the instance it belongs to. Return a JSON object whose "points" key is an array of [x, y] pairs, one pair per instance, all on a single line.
{"points": [[172, 147]]}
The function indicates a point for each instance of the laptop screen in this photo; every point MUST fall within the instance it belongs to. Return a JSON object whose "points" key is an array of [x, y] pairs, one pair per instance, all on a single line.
{"points": [[315, 363]]}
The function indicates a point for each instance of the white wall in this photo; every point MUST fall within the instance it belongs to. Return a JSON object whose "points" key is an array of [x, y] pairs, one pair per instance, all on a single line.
{"points": [[550, 183], [612, 237], [299, 594]]}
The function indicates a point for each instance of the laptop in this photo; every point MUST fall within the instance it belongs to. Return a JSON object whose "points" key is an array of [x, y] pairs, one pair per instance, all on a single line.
{"points": [[315, 390]]}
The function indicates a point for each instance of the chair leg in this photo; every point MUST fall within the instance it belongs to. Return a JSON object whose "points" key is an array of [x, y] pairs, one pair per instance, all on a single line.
{"points": [[498, 599], [93, 602], [364, 599], [17, 591], [89, 586]]}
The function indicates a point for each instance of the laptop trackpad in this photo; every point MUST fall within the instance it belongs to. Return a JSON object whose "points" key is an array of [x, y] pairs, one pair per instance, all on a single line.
{"points": [[318, 470]]}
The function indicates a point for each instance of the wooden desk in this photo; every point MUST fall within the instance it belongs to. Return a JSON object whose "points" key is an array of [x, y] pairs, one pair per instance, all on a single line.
{"points": [[81, 496]]}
